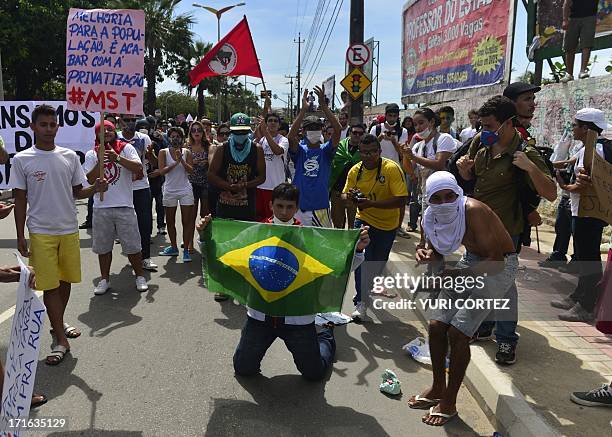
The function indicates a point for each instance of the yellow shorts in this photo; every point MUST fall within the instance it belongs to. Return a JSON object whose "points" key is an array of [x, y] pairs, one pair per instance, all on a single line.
{"points": [[55, 258]]}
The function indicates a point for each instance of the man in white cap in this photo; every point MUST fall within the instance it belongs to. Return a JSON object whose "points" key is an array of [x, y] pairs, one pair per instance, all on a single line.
{"points": [[587, 231], [489, 265]]}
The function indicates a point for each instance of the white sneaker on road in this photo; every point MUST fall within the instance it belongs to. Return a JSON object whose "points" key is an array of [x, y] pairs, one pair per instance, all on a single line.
{"points": [[147, 264], [583, 74], [360, 313], [102, 287], [566, 78], [141, 284]]}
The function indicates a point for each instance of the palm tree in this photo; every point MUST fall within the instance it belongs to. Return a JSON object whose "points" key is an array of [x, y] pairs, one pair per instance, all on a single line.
{"points": [[193, 57], [167, 41]]}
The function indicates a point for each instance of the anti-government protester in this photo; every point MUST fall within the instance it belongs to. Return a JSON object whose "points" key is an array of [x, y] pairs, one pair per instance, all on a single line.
{"points": [[453, 220], [391, 134], [114, 217], [46, 179], [313, 162]]}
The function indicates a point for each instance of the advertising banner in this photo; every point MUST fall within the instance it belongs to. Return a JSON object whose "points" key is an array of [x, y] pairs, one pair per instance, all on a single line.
{"points": [[454, 45]]}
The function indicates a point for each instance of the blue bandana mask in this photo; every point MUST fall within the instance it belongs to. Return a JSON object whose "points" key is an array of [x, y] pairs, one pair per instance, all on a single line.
{"points": [[242, 140], [488, 137]]}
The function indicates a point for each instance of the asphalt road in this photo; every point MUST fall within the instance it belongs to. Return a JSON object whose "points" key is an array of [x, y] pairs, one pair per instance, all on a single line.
{"points": [[160, 363]]}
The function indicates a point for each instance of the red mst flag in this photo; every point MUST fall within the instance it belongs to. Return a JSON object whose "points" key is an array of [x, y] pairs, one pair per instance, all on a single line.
{"points": [[234, 55]]}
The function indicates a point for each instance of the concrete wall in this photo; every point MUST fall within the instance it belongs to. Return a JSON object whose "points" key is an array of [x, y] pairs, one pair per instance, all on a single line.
{"points": [[556, 105]]}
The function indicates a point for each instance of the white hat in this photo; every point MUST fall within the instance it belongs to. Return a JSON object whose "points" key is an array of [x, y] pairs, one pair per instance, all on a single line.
{"points": [[595, 116]]}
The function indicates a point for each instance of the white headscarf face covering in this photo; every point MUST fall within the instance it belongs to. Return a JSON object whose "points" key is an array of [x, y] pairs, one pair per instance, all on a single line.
{"points": [[444, 224]]}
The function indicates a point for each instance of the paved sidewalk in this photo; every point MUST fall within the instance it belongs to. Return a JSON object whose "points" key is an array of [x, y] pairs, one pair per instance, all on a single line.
{"points": [[554, 358]]}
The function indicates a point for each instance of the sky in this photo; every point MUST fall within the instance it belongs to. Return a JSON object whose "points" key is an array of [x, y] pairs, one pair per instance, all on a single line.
{"points": [[275, 24]]}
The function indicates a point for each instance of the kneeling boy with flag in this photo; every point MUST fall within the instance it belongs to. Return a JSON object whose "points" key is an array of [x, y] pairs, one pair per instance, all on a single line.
{"points": [[267, 265]]}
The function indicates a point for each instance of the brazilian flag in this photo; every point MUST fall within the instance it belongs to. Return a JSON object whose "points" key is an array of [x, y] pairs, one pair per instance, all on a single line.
{"points": [[276, 269]]}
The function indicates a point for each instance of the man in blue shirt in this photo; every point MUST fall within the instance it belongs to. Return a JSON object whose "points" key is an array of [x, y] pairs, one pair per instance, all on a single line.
{"points": [[313, 162]]}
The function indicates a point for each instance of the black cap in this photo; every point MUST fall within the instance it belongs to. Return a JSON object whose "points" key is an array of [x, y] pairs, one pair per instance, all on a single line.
{"points": [[312, 122], [393, 108], [515, 89]]}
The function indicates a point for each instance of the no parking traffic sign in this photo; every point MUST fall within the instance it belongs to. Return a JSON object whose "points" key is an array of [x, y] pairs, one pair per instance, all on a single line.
{"points": [[358, 54]]}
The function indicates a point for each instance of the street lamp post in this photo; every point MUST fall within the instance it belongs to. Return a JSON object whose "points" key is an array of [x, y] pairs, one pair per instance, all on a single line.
{"points": [[255, 84], [218, 13]]}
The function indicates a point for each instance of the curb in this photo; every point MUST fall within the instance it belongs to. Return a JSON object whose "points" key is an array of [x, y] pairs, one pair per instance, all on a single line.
{"points": [[504, 404]]}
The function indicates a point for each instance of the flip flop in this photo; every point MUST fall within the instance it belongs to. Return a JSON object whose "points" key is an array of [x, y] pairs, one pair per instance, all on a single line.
{"points": [[220, 297], [446, 417], [40, 402], [57, 355], [419, 402], [69, 331], [383, 294]]}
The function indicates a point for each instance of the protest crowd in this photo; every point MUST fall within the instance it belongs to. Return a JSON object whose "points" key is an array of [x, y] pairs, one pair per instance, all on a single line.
{"points": [[473, 190], [344, 175]]}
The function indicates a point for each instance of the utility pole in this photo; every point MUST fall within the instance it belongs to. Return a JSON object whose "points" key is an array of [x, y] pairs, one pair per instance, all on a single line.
{"points": [[299, 71], [356, 36], [291, 95]]}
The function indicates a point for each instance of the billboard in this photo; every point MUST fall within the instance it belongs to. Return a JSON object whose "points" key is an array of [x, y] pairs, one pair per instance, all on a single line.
{"points": [[550, 20], [452, 45], [368, 70]]}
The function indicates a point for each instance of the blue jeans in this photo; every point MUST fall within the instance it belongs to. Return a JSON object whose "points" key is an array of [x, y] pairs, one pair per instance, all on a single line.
{"points": [[505, 330], [142, 206], [312, 353], [376, 256]]}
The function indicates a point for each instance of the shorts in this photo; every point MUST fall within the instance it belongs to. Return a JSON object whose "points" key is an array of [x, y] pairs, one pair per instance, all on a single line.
{"points": [[172, 200], [580, 29], [55, 258], [115, 223], [200, 192], [319, 218], [495, 287], [262, 203]]}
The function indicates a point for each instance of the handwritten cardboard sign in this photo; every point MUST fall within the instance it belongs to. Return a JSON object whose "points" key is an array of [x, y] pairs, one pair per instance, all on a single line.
{"points": [[22, 356], [105, 60], [596, 201]]}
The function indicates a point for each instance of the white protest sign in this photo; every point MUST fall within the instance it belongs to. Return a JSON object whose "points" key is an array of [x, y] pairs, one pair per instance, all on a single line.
{"points": [[21, 357], [105, 60], [76, 130]]}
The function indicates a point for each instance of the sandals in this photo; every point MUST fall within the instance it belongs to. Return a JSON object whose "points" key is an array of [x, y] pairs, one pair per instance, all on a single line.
{"points": [[220, 297], [43, 400], [69, 331], [57, 355], [447, 417], [419, 402]]}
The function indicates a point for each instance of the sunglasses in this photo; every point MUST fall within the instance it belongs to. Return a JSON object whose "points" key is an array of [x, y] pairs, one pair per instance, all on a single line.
{"points": [[197, 130], [358, 133], [224, 133]]}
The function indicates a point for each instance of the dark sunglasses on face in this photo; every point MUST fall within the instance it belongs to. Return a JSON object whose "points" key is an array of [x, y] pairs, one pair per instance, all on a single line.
{"points": [[358, 133], [196, 130], [369, 152], [224, 133]]}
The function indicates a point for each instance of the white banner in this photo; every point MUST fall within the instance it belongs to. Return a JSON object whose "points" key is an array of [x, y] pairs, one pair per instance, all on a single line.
{"points": [[76, 130], [21, 357], [330, 90]]}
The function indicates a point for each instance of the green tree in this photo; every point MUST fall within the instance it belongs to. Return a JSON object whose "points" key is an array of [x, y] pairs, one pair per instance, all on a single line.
{"points": [[172, 103], [33, 45], [193, 57], [168, 40]]}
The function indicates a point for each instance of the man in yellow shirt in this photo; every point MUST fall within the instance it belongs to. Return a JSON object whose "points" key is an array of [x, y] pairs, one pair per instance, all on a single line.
{"points": [[378, 188]]}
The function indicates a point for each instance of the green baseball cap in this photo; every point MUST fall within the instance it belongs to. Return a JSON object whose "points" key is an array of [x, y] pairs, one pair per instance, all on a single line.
{"points": [[240, 121]]}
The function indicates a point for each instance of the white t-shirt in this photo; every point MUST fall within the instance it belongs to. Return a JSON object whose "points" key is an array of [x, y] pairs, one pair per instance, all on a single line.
{"points": [[575, 197], [388, 150], [140, 142], [344, 132], [119, 178], [48, 178], [467, 134], [275, 164], [446, 143]]}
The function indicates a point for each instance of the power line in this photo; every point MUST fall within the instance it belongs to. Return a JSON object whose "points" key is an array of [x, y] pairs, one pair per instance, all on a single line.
{"points": [[318, 30], [313, 27], [322, 52]]}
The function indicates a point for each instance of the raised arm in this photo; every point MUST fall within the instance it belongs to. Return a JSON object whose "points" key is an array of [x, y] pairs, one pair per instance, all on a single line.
{"points": [[333, 121], [292, 136]]}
